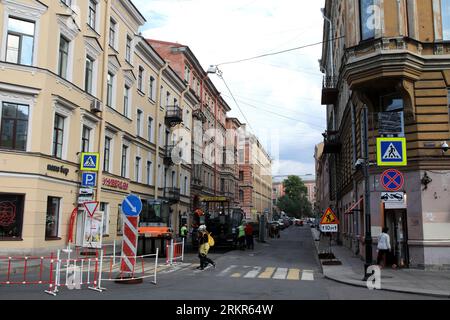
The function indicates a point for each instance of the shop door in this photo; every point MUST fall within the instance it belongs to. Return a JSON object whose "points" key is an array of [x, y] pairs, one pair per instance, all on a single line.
{"points": [[396, 221]]}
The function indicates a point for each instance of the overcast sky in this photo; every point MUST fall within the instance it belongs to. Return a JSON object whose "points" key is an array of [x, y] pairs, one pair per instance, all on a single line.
{"points": [[288, 84]]}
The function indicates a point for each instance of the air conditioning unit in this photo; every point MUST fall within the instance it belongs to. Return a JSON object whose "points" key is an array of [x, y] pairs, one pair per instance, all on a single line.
{"points": [[96, 106]]}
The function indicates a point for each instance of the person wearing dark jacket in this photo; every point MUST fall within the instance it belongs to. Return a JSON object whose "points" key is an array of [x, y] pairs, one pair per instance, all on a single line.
{"points": [[249, 236]]}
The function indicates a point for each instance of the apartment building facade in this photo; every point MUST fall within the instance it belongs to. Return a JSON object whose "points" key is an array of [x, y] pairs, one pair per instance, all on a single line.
{"points": [[76, 77], [215, 170], [255, 176], [393, 65]]}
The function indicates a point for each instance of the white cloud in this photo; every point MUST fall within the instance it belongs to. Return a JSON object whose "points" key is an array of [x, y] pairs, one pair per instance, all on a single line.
{"points": [[289, 84]]}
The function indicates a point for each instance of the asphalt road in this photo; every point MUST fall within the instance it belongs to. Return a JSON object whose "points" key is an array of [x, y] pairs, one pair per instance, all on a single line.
{"points": [[281, 269]]}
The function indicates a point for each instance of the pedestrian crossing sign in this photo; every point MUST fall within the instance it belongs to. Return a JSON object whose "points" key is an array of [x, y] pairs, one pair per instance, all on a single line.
{"points": [[90, 161], [391, 152]]}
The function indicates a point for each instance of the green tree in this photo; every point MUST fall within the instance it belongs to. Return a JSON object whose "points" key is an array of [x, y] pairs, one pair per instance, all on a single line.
{"points": [[295, 203]]}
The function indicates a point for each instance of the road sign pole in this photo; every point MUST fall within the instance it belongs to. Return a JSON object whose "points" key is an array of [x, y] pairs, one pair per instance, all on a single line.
{"points": [[368, 238]]}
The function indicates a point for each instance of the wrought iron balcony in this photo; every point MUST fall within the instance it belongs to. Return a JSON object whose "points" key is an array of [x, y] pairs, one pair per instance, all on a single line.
{"points": [[174, 116], [168, 155], [333, 145], [172, 194], [329, 90]]}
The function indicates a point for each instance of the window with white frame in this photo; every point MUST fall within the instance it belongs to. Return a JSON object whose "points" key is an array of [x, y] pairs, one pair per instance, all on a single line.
{"points": [[128, 50], [107, 155], [137, 171], [89, 75], [139, 123], [124, 162], [152, 91], [104, 207], [110, 90], [126, 102], [14, 126], [149, 173], [150, 129], [58, 136], [86, 139], [112, 33], [141, 79], [52, 218], [63, 57], [92, 15], [20, 41]]}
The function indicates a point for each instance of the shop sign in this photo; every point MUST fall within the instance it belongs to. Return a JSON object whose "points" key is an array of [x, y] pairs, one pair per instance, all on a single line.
{"points": [[213, 199], [58, 169], [116, 184]]}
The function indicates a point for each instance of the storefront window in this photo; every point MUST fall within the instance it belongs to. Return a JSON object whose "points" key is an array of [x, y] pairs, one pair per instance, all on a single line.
{"points": [[52, 218], [11, 216]]}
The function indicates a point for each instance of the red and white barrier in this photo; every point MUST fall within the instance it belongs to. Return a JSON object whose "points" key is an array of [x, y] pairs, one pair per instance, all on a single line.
{"points": [[174, 252], [129, 244], [32, 274]]}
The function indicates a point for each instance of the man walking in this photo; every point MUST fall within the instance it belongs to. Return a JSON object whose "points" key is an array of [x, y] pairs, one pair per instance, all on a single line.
{"points": [[204, 248], [241, 236], [384, 247]]}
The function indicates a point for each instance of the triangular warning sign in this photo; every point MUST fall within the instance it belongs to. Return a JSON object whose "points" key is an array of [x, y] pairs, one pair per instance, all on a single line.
{"points": [[89, 163], [329, 217], [91, 207], [392, 153]]}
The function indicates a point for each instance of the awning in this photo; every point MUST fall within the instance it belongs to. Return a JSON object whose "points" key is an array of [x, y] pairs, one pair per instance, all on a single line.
{"points": [[350, 210]]}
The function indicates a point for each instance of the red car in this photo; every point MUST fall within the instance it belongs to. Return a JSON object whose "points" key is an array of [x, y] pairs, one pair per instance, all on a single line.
{"points": [[299, 223]]}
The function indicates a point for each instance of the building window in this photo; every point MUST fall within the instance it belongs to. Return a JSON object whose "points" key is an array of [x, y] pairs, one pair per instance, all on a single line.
{"points": [[241, 175], [52, 217], [138, 169], [367, 19], [92, 14], [63, 57], [58, 136], [11, 215], [138, 122], [123, 169], [89, 72], [85, 139], [445, 9], [107, 154], [140, 78], [150, 129], [187, 74], [104, 207], [126, 101], [152, 92], [167, 98], [119, 228], [149, 173], [128, 50], [241, 195], [109, 89], [20, 41], [160, 98], [186, 186], [67, 2], [112, 33], [14, 126]]}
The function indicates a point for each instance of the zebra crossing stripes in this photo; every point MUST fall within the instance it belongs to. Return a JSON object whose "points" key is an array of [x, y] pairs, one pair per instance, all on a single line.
{"points": [[254, 273], [293, 274], [280, 274], [308, 275], [267, 274]]}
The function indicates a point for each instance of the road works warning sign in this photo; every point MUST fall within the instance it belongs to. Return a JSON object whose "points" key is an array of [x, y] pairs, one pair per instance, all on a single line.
{"points": [[329, 222]]}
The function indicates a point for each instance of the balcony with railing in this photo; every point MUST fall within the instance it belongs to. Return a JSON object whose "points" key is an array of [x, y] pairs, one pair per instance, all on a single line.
{"points": [[168, 155], [172, 194], [329, 90], [332, 143], [174, 116]]}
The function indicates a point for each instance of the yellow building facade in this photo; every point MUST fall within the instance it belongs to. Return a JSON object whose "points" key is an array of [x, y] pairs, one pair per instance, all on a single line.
{"points": [[76, 77]]}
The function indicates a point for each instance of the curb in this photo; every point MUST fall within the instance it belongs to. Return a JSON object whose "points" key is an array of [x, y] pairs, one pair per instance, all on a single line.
{"points": [[392, 289], [317, 252]]}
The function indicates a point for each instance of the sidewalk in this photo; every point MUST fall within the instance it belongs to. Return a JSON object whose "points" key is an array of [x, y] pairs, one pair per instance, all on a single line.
{"points": [[432, 283]]}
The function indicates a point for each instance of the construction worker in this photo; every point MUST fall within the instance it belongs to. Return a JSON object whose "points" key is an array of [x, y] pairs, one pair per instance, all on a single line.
{"points": [[184, 232], [204, 248], [241, 236]]}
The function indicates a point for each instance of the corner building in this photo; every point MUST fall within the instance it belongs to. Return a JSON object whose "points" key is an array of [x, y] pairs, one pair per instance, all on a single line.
{"points": [[390, 59], [76, 77]]}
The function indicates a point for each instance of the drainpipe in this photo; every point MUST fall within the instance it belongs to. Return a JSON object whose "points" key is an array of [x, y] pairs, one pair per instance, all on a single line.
{"points": [[103, 96], [158, 138]]}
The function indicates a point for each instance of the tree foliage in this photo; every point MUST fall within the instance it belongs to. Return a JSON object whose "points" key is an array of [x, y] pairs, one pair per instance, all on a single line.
{"points": [[295, 203]]}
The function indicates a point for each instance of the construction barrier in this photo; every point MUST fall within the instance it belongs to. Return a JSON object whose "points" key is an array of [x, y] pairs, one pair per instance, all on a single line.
{"points": [[77, 272], [27, 270], [141, 270], [174, 252]]}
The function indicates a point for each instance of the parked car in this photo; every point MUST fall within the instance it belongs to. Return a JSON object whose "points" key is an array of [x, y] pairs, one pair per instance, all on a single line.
{"points": [[299, 223]]}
